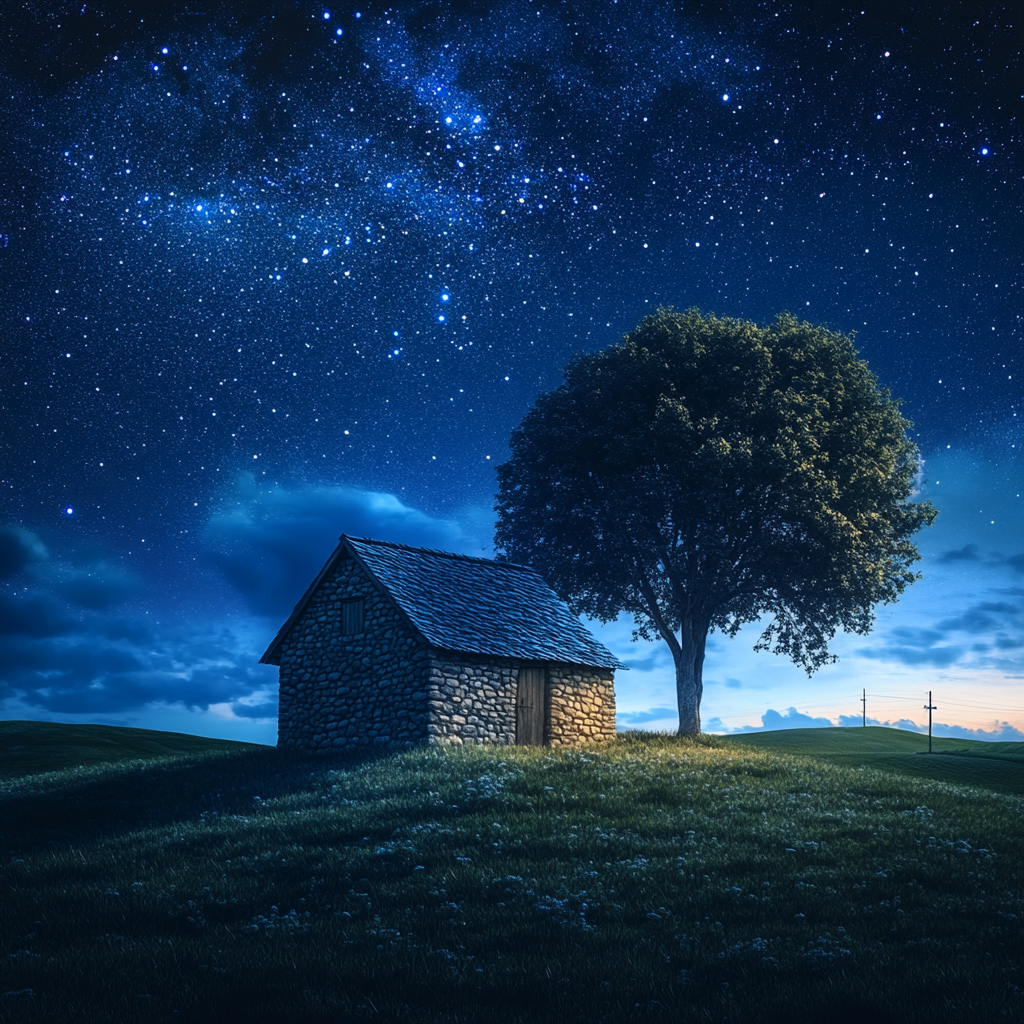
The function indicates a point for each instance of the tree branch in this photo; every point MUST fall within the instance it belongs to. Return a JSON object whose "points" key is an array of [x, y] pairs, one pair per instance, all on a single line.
{"points": [[654, 612]]}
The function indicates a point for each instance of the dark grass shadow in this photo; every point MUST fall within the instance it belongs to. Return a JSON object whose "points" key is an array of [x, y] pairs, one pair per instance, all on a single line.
{"points": [[29, 748], [125, 797]]}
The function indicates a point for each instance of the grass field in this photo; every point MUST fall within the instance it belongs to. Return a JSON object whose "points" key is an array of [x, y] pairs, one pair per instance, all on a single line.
{"points": [[27, 748], [791, 877], [998, 766]]}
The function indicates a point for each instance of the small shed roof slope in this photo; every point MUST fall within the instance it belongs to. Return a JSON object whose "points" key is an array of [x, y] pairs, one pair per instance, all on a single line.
{"points": [[473, 605]]}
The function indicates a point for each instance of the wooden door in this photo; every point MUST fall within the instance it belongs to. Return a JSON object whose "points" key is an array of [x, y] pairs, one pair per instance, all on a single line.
{"points": [[530, 700]]}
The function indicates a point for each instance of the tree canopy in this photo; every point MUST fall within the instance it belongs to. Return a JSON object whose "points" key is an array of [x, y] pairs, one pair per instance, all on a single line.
{"points": [[707, 472]]}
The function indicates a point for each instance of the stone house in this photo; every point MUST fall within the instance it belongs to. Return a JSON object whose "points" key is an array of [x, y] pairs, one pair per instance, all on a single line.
{"points": [[393, 645]]}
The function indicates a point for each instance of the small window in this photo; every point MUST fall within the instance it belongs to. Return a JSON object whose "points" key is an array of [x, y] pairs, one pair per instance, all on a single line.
{"points": [[351, 617]]}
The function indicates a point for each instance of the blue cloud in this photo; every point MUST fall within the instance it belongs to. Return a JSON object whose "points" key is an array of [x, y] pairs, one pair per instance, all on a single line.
{"points": [[791, 719], [84, 671], [656, 657], [1009, 643], [972, 554], [940, 657], [71, 641], [968, 553], [19, 549], [98, 586], [68, 644], [916, 636], [849, 721], [84, 578], [272, 545], [1003, 732], [637, 718], [265, 710], [986, 616], [995, 625], [772, 720], [34, 615]]}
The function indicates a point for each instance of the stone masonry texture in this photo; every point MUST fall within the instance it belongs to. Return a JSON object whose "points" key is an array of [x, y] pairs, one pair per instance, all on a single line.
{"points": [[386, 687]]}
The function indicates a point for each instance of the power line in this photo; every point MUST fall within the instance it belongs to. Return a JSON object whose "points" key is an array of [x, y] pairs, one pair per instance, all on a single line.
{"points": [[894, 696], [987, 707], [907, 705], [912, 699]]}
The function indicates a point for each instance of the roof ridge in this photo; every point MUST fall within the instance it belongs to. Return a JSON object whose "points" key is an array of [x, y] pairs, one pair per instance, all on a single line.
{"points": [[442, 554], [451, 610]]}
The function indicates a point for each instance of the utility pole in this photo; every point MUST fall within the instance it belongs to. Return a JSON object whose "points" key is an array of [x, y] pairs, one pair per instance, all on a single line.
{"points": [[864, 708], [930, 707]]}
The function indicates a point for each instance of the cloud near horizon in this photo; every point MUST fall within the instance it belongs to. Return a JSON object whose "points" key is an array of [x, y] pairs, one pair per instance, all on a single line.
{"points": [[78, 635], [773, 720], [1000, 731]]}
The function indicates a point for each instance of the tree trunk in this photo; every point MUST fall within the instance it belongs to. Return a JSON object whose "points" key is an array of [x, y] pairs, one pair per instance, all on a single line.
{"points": [[690, 675]]}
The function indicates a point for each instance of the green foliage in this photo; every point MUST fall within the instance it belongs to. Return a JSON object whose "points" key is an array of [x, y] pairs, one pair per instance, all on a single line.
{"points": [[650, 879], [707, 472]]}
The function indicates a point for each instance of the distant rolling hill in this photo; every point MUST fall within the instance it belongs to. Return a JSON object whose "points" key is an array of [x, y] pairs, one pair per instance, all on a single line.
{"points": [[998, 766], [27, 748]]}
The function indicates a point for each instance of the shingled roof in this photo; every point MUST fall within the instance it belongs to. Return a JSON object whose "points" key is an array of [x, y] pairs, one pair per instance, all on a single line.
{"points": [[472, 605]]}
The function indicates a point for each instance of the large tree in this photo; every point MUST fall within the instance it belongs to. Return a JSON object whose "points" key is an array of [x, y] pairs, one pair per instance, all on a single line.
{"points": [[708, 472]]}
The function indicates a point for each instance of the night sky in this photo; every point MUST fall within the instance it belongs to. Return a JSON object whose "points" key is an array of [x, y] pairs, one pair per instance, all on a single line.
{"points": [[274, 271]]}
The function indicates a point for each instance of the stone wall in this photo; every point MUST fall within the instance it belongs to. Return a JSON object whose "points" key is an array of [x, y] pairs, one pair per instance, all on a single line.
{"points": [[580, 705], [385, 687], [471, 699], [351, 691]]}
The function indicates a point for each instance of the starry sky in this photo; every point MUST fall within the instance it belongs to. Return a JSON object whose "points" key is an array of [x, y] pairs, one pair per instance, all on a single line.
{"points": [[275, 271]]}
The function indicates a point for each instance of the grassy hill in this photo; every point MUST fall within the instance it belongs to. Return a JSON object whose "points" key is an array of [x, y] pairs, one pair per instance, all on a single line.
{"points": [[998, 766], [650, 879], [27, 748]]}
